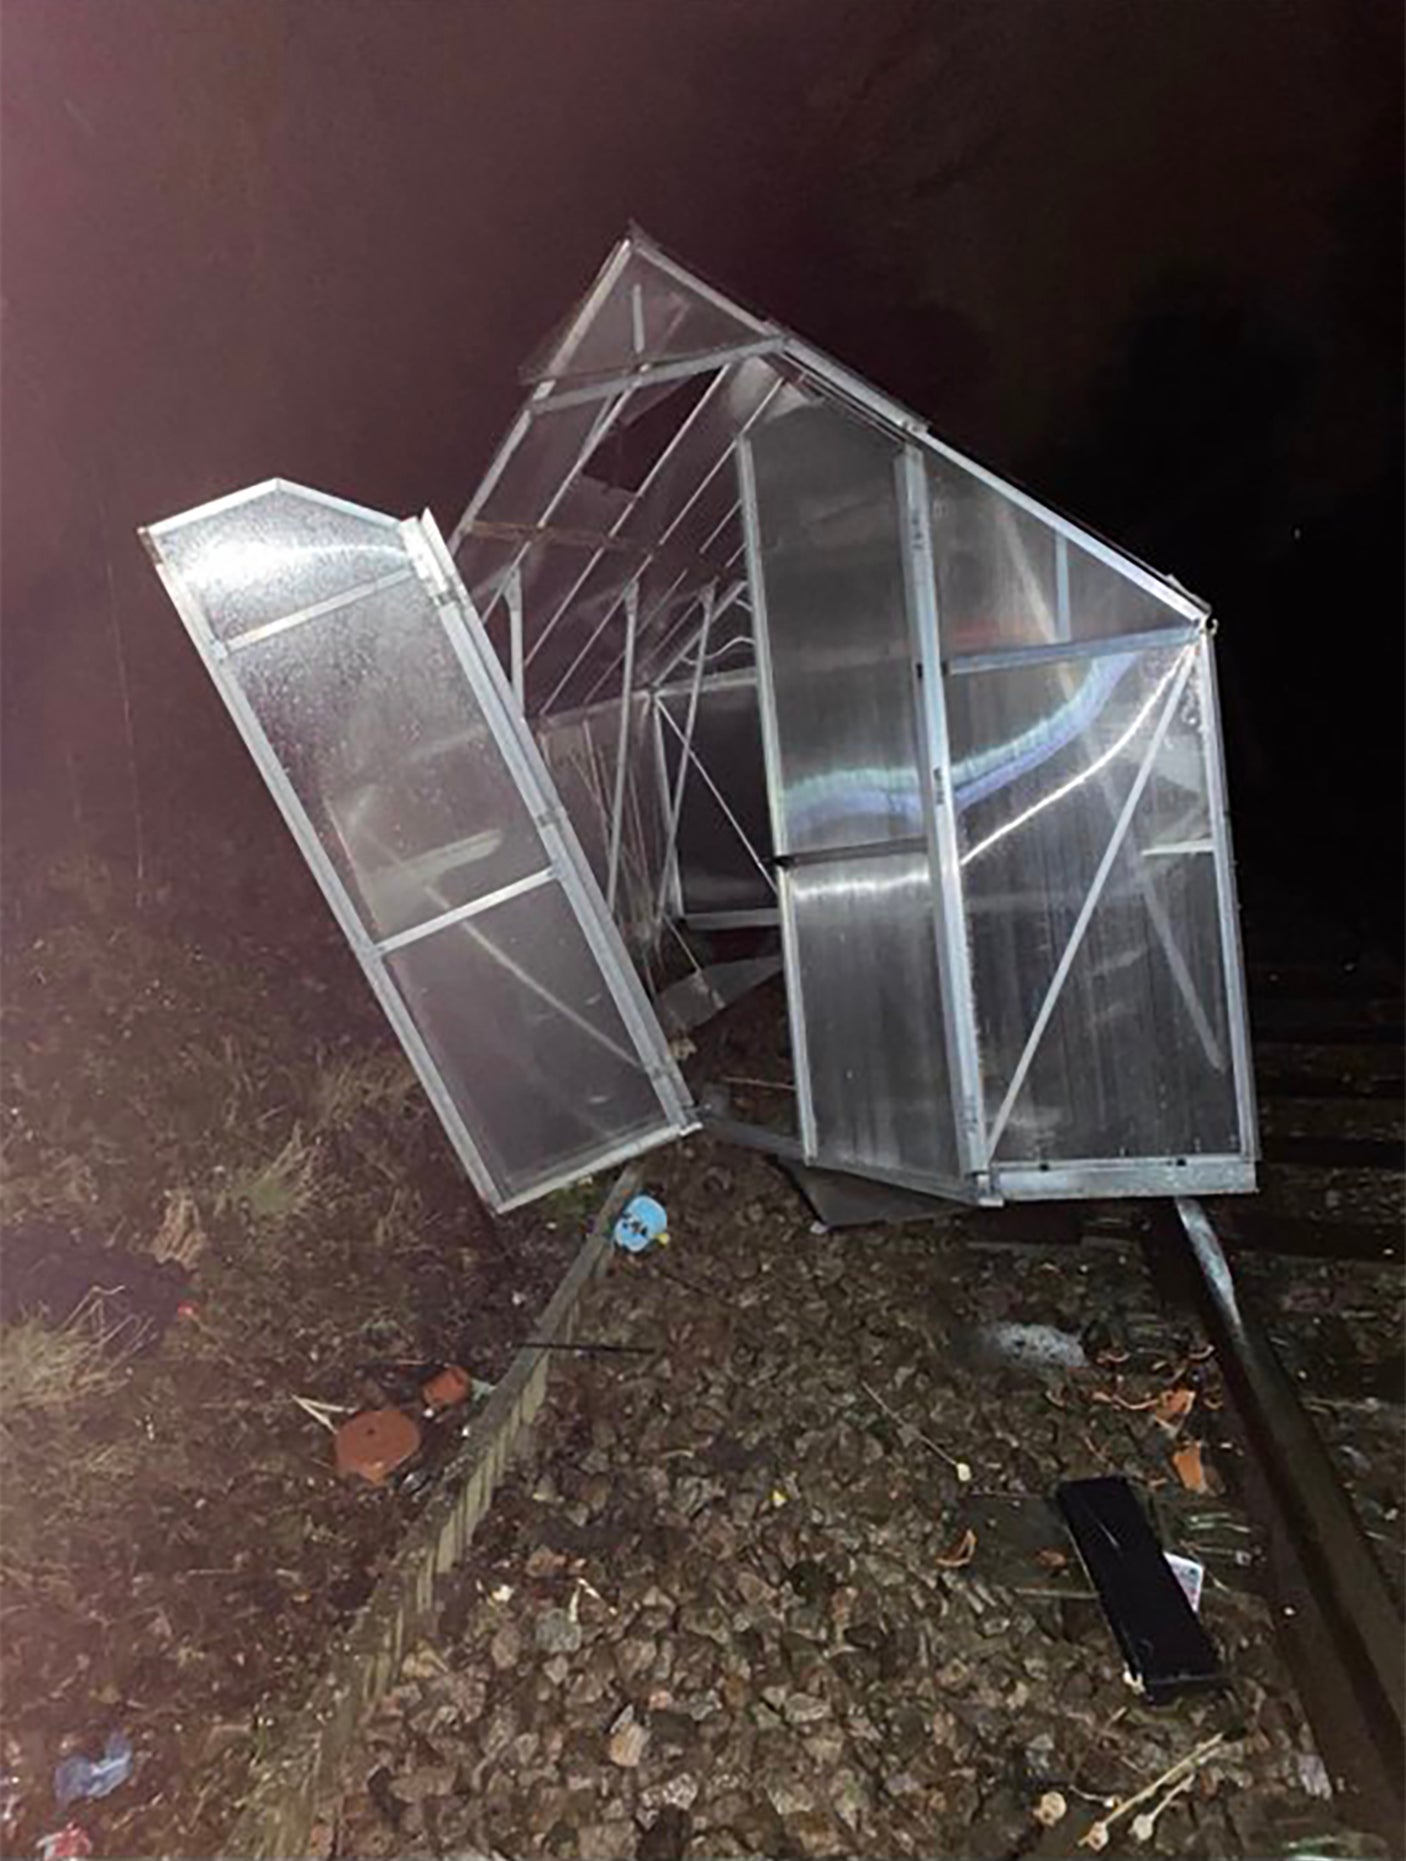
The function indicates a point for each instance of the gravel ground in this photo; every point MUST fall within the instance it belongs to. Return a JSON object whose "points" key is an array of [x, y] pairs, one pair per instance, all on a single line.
{"points": [[744, 1601]]}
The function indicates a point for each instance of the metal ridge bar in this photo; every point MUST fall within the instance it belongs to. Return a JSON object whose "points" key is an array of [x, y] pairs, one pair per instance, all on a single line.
{"points": [[458, 913], [231, 500], [1153, 639]]}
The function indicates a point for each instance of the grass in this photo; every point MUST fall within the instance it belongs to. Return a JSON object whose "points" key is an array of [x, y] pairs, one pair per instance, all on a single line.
{"points": [[45, 1369], [277, 1191], [381, 1084], [181, 1235]]}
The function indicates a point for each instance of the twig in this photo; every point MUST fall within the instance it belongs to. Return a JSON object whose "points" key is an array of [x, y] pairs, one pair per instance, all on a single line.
{"points": [[959, 1467], [1096, 1836]]}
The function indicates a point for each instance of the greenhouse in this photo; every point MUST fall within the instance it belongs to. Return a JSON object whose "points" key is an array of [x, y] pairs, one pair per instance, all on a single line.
{"points": [[731, 669]]}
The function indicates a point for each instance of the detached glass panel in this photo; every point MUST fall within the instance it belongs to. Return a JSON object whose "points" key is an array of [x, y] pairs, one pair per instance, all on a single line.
{"points": [[382, 723], [723, 847]]}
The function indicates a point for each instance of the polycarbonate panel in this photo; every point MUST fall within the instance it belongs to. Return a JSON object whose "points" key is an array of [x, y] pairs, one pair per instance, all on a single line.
{"points": [[837, 632], [716, 871], [647, 314], [869, 995], [1136, 1058], [1005, 577], [269, 552], [387, 748], [1044, 759], [512, 1006], [386, 733]]}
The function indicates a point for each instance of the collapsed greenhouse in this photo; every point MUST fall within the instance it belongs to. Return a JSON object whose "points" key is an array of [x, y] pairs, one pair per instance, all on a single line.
{"points": [[727, 645]]}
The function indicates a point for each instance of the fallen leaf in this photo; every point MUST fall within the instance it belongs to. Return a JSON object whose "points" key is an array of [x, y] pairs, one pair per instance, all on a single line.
{"points": [[1051, 1559], [962, 1552], [1189, 1469], [1173, 1407]]}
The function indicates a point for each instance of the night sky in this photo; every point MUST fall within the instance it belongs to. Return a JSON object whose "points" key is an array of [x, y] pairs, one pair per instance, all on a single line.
{"points": [[1144, 255]]}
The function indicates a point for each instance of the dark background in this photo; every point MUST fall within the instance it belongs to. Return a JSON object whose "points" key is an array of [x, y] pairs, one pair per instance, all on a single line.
{"points": [[1143, 256]]}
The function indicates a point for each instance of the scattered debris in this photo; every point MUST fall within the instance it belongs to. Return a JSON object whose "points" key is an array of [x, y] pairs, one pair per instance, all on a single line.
{"points": [[1163, 1644], [67, 1844], [1190, 1575], [962, 1552], [1039, 1347], [628, 1739], [1190, 1468], [77, 1777], [1051, 1809], [446, 1388], [641, 1224], [375, 1443], [1097, 1834], [908, 1431]]}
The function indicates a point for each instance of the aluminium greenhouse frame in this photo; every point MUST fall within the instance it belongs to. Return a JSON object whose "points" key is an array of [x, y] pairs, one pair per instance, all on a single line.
{"points": [[754, 650]]}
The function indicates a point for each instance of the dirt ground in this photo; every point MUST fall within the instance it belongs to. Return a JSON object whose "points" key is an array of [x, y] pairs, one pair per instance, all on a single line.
{"points": [[175, 1546], [744, 1601]]}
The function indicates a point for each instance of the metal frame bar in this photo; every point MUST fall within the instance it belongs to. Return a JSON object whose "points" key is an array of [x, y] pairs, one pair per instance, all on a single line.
{"points": [[646, 374], [315, 610], [1232, 955], [1156, 639], [249, 494], [796, 1015], [1096, 1179], [955, 984], [622, 745], [457, 913], [1089, 906], [513, 595], [675, 807]]}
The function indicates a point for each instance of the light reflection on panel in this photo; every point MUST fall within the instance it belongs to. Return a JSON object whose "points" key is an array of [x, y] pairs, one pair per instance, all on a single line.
{"points": [[384, 741], [513, 1008], [841, 658], [873, 1014], [275, 551]]}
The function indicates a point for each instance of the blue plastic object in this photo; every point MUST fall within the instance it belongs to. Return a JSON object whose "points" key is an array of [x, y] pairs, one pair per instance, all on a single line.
{"points": [[77, 1777], [641, 1224]]}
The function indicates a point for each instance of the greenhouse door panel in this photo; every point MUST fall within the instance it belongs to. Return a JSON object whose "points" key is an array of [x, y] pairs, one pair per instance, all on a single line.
{"points": [[353, 663], [850, 788]]}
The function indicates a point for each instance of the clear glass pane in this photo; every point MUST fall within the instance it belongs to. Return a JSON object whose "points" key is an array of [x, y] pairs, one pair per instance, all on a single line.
{"points": [[387, 748], [277, 552], [842, 662], [513, 1007], [873, 1014]]}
